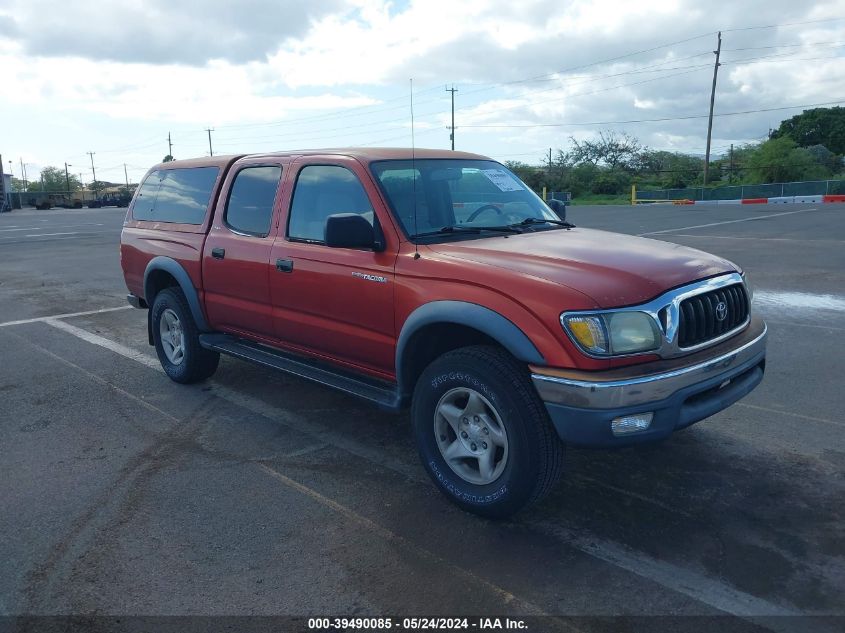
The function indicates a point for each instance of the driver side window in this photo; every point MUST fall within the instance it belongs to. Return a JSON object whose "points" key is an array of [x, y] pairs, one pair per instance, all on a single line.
{"points": [[321, 191]]}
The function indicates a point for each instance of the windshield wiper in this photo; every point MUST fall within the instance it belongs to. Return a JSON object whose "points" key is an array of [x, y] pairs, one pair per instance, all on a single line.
{"points": [[461, 228], [531, 221]]}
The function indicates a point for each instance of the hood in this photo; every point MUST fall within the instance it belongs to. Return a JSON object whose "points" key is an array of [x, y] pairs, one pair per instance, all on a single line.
{"points": [[613, 269]]}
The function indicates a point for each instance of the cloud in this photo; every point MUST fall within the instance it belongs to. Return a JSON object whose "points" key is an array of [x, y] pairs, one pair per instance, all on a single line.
{"points": [[271, 74], [163, 31], [8, 27]]}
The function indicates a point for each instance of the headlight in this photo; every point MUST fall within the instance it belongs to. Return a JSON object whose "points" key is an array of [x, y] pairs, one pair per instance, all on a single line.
{"points": [[613, 333]]}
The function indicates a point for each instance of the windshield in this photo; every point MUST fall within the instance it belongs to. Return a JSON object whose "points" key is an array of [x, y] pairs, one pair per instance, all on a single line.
{"points": [[428, 195]]}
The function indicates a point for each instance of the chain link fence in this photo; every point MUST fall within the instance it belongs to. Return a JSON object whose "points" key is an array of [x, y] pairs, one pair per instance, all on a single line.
{"points": [[734, 192]]}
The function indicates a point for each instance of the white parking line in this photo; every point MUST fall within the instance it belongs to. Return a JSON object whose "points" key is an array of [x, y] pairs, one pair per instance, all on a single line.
{"points": [[62, 316], [701, 226], [688, 582], [113, 346], [39, 228], [712, 592], [789, 413], [758, 239], [51, 234], [392, 537]]}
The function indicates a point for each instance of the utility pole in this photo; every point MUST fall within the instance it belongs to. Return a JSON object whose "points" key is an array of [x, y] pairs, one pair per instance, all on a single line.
{"points": [[67, 178], [169, 146], [23, 173], [717, 52], [93, 171], [453, 90], [6, 196], [209, 130], [731, 171], [3, 186], [126, 174]]}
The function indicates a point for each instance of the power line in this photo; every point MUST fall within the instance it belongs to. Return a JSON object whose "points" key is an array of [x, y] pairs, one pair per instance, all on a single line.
{"points": [[324, 132], [658, 120], [583, 94], [365, 110], [347, 112], [329, 132], [372, 109], [795, 45], [776, 26]]}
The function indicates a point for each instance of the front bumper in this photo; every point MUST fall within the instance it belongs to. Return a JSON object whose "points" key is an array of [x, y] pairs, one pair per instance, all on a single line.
{"points": [[582, 405]]}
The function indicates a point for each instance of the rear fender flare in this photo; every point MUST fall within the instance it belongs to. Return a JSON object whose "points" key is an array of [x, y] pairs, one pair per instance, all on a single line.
{"points": [[174, 268]]}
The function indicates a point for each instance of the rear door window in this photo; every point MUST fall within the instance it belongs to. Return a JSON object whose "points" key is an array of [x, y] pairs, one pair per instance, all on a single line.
{"points": [[183, 196], [250, 206]]}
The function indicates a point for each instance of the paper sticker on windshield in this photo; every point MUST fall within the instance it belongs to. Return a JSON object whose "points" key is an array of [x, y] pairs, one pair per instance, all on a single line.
{"points": [[503, 180]]}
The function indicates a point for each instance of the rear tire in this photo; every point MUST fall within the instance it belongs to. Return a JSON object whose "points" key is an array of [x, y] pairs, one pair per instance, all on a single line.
{"points": [[483, 433], [176, 339]]}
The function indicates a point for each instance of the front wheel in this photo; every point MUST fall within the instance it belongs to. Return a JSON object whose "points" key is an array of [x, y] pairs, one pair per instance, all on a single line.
{"points": [[176, 339], [482, 432]]}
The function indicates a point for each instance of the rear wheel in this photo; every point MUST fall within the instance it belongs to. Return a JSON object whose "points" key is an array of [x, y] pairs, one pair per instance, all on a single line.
{"points": [[482, 432], [176, 339]]}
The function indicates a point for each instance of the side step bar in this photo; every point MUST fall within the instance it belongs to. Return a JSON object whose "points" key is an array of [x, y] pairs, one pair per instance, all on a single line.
{"points": [[383, 394]]}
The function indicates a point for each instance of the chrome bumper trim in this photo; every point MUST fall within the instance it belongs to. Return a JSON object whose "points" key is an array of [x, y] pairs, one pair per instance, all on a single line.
{"points": [[642, 389]]}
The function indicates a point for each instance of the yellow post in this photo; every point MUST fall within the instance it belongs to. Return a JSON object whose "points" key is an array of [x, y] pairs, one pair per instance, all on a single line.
{"points": [[544, 193], [634, 195]]}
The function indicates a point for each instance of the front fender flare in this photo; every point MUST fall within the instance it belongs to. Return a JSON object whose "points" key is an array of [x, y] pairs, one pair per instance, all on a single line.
{"points": [[175, 269], [471, 315]]}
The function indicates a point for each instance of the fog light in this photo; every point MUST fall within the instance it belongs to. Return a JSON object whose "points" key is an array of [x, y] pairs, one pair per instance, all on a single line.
{"points": [[631, 423]]}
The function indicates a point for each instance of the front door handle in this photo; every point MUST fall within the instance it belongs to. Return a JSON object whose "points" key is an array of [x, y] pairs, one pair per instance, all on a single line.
{"points": [[218, 253], [284, 265]]}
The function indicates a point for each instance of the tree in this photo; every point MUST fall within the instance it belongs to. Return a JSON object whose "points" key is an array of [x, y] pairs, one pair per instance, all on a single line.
{"points": [[53, 180], [671, 169], [610, 149], [819, 126], [167, 159], [825, 157], [781, 160], [98, 185]]}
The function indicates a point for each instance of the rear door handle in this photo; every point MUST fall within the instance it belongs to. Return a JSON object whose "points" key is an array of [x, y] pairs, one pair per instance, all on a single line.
{"points": [[284, 265], [218, 253]]}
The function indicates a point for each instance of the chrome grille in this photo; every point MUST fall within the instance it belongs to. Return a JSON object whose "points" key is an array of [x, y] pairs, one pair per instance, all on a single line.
{"points": [[699, 315]]}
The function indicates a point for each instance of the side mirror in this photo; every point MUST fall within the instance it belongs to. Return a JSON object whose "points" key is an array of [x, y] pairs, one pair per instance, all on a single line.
{"points": [[559, 207], [349, 230]]}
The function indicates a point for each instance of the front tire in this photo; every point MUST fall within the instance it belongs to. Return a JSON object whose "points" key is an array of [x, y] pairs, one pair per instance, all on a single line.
{"points": [[176, 339], [482, 432]]}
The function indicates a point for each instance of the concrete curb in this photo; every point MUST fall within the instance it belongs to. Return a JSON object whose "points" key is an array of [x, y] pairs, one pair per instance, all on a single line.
{"points": [[833, 198]]}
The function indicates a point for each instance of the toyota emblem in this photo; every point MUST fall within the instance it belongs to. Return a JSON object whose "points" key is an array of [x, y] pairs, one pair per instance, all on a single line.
{"points": [[721, 311]]}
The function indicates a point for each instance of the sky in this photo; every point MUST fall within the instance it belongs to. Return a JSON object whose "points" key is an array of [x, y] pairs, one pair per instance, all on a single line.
{"points": [[115, 78]]}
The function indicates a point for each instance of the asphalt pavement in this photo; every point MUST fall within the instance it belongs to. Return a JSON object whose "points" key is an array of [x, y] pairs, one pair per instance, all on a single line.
{"points": [[260, 494]]}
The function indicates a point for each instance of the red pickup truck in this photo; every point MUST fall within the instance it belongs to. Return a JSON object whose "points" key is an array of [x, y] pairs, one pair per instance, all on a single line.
{"points": [[438, 281]]}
